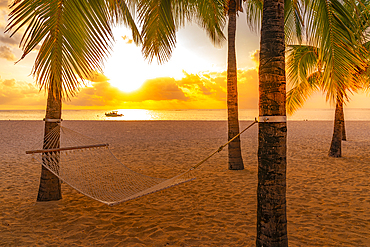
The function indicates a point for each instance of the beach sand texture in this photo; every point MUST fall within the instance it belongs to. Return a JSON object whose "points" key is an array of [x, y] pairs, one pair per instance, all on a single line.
{"points": [[328, 199]]}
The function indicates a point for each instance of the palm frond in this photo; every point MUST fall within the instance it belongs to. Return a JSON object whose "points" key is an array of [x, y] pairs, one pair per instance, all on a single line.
{"points": [[158, 29], [303, 75], [294, 21], [301, 92], [293, 18], [253, 9], [302, 60], [160, 19], [75, 38], [210, 15], [332, 28], [123, 11]]}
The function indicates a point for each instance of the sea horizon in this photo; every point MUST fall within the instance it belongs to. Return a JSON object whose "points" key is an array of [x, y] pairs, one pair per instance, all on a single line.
{"points": [[351, 114]]}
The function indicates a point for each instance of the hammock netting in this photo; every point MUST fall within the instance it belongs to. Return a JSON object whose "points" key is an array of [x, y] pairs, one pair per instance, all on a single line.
{"points": [[91, 168]]}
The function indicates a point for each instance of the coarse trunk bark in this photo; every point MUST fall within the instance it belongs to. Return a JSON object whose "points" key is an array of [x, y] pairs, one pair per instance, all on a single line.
{"points": [[336, 141], [50, 186], [344, 136], [235, 155], [271, 190]]}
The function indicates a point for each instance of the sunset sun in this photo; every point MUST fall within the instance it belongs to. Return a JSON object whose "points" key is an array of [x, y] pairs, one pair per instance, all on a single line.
{"points": [[124, 68], [127, 69]]}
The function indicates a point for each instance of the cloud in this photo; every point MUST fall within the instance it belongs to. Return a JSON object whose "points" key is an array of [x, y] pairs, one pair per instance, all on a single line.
{"points": [[6, 53], [255, 56], [248, 89], [206, 90], [4, 11], [20, 95], [4, 4], [127, 39], [9, 83], [13, 41], [98, 77], [101, 93], [164, 88]]}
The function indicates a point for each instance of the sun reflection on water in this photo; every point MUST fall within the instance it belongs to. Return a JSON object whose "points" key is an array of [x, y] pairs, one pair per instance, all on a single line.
{"points": [[179, 115]]}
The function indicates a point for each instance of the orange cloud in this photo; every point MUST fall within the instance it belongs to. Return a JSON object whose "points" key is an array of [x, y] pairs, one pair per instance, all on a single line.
{"points": [[20, 95], [255, 56], [4, 4], [248, 89], [127, 39], [98, 77], [205, 90]]}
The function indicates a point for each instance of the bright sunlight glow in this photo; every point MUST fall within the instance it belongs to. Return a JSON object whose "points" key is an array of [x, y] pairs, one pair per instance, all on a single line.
{"points": [[125, 67], [128, 70]]}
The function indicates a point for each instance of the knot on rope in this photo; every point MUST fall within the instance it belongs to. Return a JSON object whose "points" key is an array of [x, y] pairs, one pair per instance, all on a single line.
{"points": [[220, 149]]}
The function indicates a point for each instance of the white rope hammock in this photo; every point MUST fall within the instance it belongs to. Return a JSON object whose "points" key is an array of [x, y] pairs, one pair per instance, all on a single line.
{"points": [[91, 168]]}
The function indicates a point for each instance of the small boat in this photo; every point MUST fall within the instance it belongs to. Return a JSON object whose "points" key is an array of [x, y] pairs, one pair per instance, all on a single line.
{"points": [[113, 114]]}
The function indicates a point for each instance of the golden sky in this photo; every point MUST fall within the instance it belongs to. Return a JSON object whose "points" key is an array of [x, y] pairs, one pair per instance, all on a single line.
{"points": [[194, 78]]}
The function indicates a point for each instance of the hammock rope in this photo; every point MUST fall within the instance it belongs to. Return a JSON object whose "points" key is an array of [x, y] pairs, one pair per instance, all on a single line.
{"points": [[91, 168]]}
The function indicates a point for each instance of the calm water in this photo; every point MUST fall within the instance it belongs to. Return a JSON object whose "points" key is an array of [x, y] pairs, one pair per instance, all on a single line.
{"points": [[132, 114]]}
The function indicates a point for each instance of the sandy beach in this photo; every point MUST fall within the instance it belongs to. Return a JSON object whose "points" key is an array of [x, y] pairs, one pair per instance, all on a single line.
{"points": [[328, 199]]}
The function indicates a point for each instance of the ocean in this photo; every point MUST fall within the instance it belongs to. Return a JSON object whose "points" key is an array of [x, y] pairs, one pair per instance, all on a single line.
{"points": [[208, 115]]}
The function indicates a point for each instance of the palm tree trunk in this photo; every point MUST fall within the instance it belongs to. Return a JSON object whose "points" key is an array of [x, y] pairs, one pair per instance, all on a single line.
{"points": [[235, 156], [336, 141], [271, 190], [50, 187], [344, 137]]}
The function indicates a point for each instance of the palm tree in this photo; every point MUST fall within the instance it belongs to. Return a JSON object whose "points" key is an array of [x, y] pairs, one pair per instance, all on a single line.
{"points": [[293, 22], [76, 37], [333, 64], [278, 17], [235, 156], [271, 190], [74, 42]]}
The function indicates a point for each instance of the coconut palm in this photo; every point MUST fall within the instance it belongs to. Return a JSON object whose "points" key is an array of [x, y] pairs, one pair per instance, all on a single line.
{"points": [[74, 40], [293, 25], [76, 36], [279, 17], [235, 156], [334, 63], [271, 190]]}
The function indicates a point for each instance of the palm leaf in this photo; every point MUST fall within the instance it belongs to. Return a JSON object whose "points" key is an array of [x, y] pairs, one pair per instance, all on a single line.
{"points": [[301, 92], [293, 21], [75, 38], [160, 19], [334, 28], [210, 15], [293, 18], [336, 59], [122, 11], [158, 29], [254, 14], [303, 74]]}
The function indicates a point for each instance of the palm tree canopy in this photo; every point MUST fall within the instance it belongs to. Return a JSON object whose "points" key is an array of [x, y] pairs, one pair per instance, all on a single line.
{"points": [[334, 28], [76, 36], [334, 59]]}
